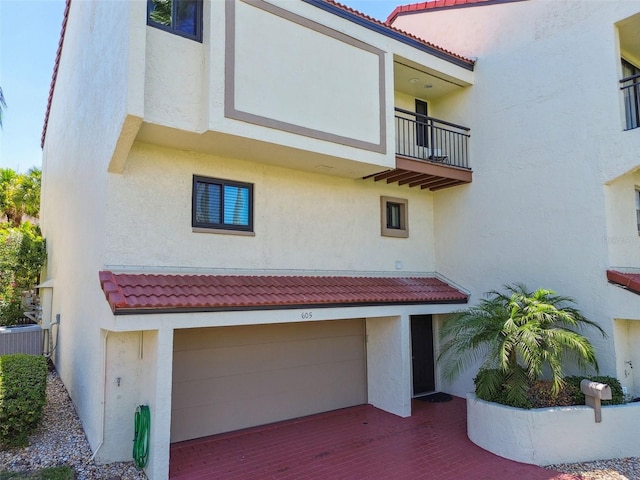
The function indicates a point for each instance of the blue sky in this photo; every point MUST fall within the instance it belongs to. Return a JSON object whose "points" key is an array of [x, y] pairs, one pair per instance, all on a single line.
{"points": [[29, 34]]}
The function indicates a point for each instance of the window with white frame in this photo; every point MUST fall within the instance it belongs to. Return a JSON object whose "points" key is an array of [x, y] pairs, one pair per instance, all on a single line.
{"points": [[222, 204], [394, 217]]}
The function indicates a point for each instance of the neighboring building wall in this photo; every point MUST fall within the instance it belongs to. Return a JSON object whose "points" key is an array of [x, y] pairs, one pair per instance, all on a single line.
{"points": [[546, 136]]}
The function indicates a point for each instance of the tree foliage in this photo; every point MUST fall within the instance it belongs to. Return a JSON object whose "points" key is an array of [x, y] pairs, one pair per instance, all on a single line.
{"points": [[161, 12], [22, 256], [518, 336], [20, 194]]}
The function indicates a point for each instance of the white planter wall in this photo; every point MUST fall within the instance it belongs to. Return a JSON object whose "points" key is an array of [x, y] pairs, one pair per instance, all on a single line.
{"points": [[545, 436]]}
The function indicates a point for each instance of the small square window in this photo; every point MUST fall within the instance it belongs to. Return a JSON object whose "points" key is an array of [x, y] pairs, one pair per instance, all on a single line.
{"points": [[394, 217], [182, 17], [222, 204]]}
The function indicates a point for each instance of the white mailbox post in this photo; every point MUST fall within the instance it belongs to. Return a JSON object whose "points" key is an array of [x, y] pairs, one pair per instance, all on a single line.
{"points": [[594, 392]]}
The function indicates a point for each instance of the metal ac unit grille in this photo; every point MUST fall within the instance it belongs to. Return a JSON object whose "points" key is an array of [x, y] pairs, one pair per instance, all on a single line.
{"points": [[21, 339]]}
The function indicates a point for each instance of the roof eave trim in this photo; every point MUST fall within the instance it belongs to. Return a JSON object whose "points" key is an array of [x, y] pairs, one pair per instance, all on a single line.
{"points": [[54, 76], [388, 32], [240, 308]]}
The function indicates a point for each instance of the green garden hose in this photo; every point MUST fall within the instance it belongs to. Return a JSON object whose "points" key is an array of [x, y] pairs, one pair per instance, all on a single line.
{"points": [[141, 438]]}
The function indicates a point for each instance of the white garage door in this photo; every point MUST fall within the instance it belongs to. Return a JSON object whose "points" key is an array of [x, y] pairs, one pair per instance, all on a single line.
{"points": [[228, 378]]}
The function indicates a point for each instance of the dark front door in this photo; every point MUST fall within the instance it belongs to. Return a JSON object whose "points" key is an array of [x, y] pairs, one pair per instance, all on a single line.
{"points": [[422, 354]]}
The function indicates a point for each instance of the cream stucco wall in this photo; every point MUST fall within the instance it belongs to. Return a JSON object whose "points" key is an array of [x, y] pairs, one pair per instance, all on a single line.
{"points": [[627, 338], [95, 93], [302, 221], [623, 237], [546, 136], [175, 92], [329, 94], [389, 364], [315, 88]]}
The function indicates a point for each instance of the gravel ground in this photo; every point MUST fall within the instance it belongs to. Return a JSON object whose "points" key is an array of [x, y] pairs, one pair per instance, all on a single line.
{"points": [[615, 469], [61, 441]]}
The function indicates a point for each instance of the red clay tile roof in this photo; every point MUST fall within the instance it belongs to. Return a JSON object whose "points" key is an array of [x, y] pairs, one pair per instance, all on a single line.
{"points": [[389, 27], [157, 293], [630, 281], [440, 5]]}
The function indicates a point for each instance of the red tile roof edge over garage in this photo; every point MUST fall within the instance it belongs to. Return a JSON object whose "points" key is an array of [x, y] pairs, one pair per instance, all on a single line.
{"points": [[630, 281], [163, 293], [432, 5]]}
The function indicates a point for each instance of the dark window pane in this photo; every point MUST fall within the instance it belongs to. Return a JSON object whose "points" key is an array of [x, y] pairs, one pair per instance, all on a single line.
{"points": [[222, 204], [160, 12], [186, 16], [208, 203], [393, 215], [236, 205], [182, 17]]}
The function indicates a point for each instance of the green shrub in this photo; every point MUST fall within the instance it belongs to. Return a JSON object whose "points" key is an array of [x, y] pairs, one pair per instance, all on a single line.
{"points": [[23, 383], [540, 394], [498, 391], [50, 473], [573, 384], [22, 255]]}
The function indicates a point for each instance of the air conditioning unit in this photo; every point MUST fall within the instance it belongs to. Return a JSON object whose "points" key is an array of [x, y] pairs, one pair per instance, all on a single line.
{"points": [[21, 339]]}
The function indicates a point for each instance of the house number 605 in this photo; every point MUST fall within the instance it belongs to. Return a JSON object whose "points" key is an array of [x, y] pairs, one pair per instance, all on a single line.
{"points": [[306, 315]]}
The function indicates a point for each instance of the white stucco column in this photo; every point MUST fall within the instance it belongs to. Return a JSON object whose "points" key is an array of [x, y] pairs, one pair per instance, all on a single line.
{"points": [[389, 364], [159, 366]]}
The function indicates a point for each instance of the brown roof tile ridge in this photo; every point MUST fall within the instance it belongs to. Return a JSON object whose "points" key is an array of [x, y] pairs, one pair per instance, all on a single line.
{"points": [[431, 5], [402, 32], [54, 76]]}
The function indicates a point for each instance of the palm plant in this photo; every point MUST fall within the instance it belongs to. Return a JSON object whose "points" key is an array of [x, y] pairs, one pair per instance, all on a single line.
{"points": [[19, 194], [9, 192], [30, 192], [517, 335]]}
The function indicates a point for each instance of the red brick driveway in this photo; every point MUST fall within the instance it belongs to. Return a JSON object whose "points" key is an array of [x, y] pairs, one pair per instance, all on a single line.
{"points": [[354, 443]]}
